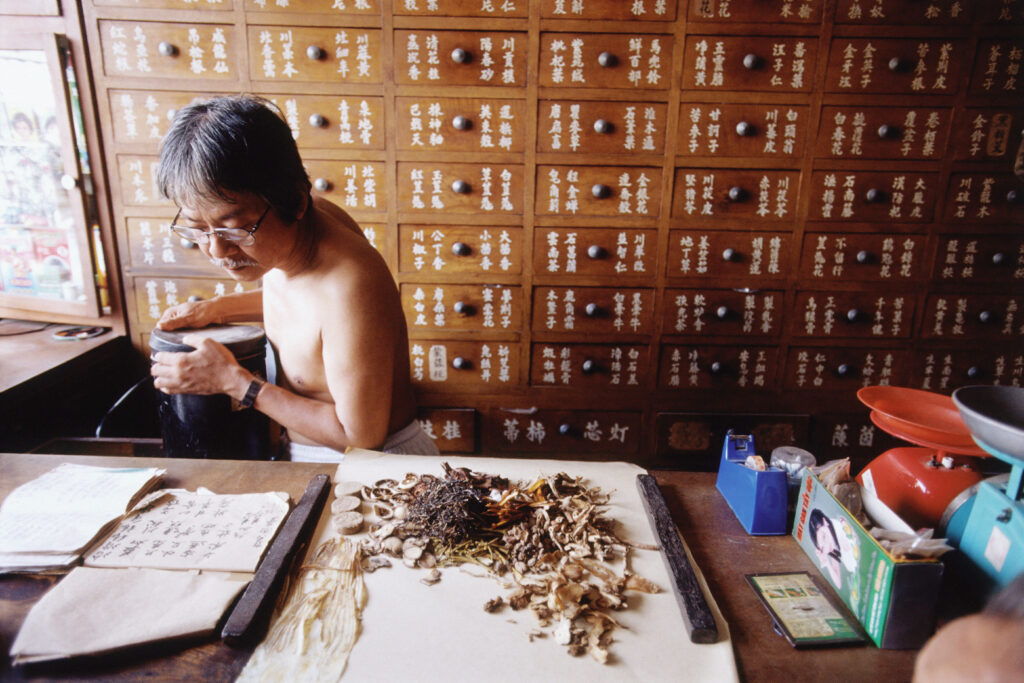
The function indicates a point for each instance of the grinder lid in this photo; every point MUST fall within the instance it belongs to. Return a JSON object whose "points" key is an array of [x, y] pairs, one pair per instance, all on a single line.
{"points": [[241, 340]]}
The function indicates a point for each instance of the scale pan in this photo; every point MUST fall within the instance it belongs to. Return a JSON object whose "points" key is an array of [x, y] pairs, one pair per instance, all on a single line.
{"points": [[918, 409], [995, 415], [926, 437]]}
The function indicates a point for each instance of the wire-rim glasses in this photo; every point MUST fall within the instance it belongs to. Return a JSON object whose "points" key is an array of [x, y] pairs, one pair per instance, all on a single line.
{"points": [[243, 236]]}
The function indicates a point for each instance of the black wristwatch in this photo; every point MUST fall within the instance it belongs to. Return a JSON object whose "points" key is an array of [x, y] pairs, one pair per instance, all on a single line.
{"points": [[250, 394]]}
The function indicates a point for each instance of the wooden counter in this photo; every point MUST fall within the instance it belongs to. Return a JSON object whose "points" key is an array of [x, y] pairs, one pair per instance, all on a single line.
{"points": [[722, 550]]}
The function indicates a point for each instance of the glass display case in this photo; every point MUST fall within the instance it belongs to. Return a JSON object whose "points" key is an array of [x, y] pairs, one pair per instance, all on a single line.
{"points": [[47, 217]]}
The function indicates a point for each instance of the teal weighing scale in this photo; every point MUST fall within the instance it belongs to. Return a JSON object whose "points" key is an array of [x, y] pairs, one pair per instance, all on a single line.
{"points": [[989, 526]]}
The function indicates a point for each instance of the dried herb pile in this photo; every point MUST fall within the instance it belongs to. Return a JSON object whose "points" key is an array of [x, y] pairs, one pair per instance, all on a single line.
{"points": [[548, 539]]}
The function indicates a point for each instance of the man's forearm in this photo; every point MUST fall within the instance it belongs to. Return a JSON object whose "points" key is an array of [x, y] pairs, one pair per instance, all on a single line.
{"points": [[240, 307]]}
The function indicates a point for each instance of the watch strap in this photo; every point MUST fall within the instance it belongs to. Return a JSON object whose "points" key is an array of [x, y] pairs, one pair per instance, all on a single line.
{"points": [[250, 394]]}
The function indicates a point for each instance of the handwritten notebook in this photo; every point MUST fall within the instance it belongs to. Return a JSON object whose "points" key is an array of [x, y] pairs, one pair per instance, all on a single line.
{"points": [[47, 523]]}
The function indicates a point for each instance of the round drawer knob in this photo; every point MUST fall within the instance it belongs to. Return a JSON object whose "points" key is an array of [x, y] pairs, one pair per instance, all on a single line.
{"points": [[898, 64], [318, 121], [737, 194], [998, 258], [166, 49], [845, 370], [874, 196], [460, 56], [853, 315], [194, 298], [316, 53], [592, 310], [730, 254], [589, 367], [607, 59], [321, 184], [601, 191], [565, 429], [596, 251], [68, 181], [863, 256], [887, 132], [603, 127], [745, 129], [461, 249], [752, 61], [460, 363], [1013, 197], [462, 308], [461, 123], [460, 187], [986, 317], [722, 312], [973, 372], [716, 368], [188, 244]]}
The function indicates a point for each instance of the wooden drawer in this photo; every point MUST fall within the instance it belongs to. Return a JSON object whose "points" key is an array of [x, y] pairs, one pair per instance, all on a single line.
{"points": [[579, 432], [333, 122], [628, 191], [897, 12], [496, 310], [693, 441], [593, 310], [352, 185], [883, 132], [589, 366], [464, 364], [738, 195], [849, 435], [300, 7], [452, 429], [988, 134], [928, 66], [210, 5], [460, 188], [605, 60], [137, 179], [742, 258], [996, 70], [756, 11], [742, 130], [296, 54], [866, 315], [458, 250], [600, 252], [844, 369], [448, 124], [741, 368], [722, 313], [146, 49], [154, 295], [973, 317], [1004, 12], [980, 258], [378, 237], [859, 257], [945, 370], [873, 196], [749, 63], [143, 116], [461, 8], [658, 10], [460, 58], [151, 244], [601, 127], [994, 198]]}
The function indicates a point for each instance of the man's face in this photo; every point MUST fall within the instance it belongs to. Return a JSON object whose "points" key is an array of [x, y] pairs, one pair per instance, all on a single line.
{"points": [[246, 214]]}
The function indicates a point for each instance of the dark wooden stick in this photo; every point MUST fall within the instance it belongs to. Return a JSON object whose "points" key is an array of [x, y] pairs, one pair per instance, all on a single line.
{"points": [[251, 615], [700, 622]]}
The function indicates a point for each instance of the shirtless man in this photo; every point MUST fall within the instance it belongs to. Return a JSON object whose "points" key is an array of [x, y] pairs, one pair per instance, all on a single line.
{"points": [[328, 303]]}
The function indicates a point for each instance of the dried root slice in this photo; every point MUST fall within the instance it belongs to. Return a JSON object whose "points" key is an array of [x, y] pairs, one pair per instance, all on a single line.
{"points": [[432, 577], [345, 504], [347, 523], [347, 488]]}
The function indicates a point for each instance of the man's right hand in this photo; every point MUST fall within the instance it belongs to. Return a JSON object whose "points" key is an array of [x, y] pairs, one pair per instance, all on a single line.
{"points": [[192, 314]]}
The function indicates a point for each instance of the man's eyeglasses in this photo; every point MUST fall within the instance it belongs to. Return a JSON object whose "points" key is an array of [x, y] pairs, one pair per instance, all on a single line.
{"points": [[240, 236]]}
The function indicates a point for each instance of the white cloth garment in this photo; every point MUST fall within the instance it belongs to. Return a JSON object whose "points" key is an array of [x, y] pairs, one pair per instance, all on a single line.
{"points": [[410, 440]]}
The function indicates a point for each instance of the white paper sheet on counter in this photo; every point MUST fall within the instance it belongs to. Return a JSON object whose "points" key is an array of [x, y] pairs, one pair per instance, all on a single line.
{"points": [[411, 631]]}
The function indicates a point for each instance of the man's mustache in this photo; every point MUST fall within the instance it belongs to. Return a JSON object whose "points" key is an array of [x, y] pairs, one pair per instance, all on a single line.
{"points": [[232, 263]]}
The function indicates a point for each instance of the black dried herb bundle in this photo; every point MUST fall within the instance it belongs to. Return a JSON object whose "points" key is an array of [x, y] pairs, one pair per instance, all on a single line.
{"points": [[449, 510]]}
